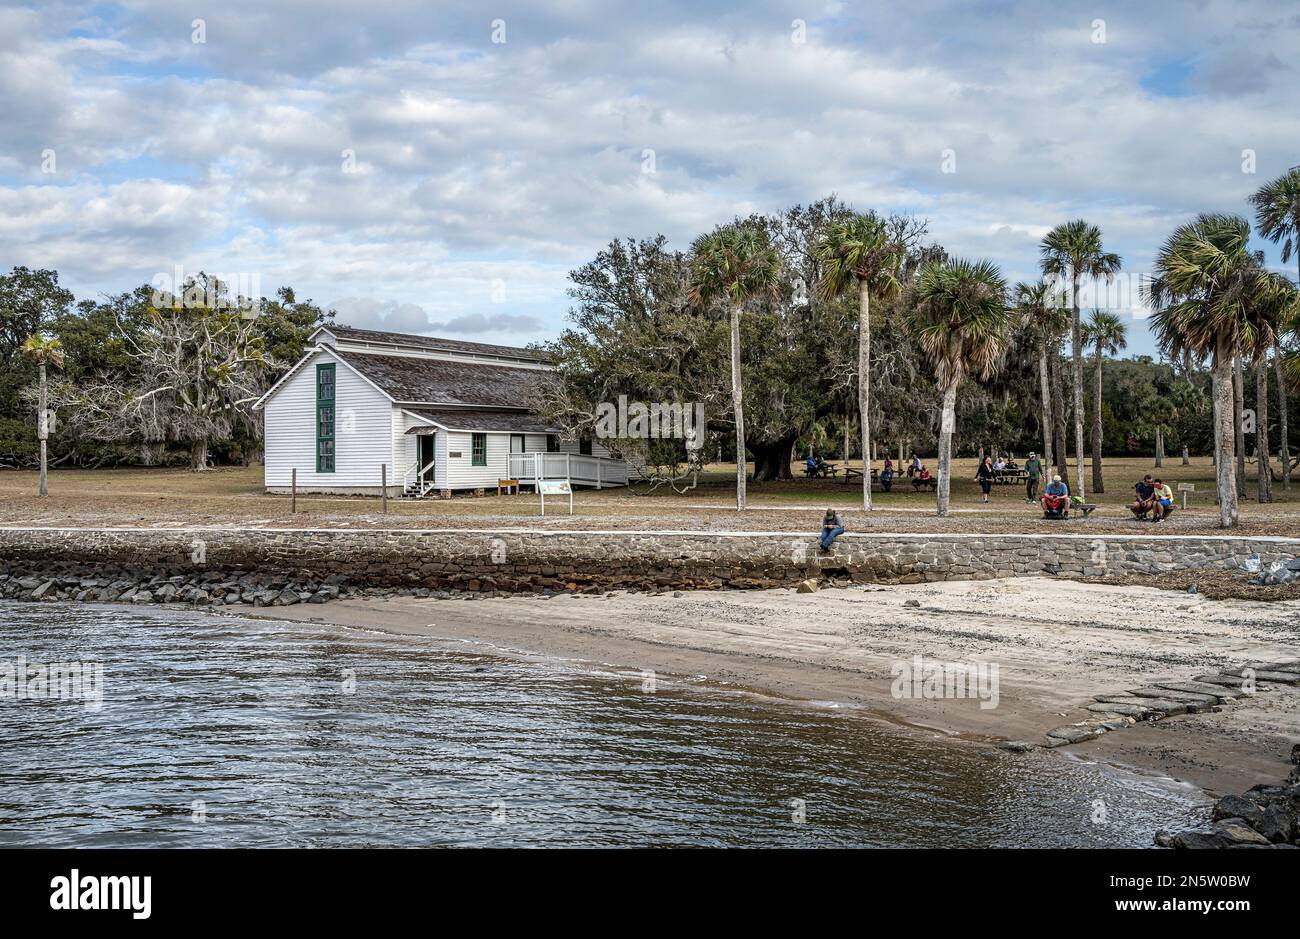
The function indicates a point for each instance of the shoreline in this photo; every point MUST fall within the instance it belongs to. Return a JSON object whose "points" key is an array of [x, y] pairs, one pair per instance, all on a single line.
{"points": [[839, 647]]}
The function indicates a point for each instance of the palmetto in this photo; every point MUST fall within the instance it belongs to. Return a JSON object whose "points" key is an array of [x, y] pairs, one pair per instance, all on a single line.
{"points": [[1075, 249], [44, 352], [1212, 297], [1040, 308], [1106, 333], [859, 250], [961, 319], [734, 264]]}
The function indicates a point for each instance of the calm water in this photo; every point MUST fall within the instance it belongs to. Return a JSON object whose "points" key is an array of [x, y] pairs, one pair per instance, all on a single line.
{"points": [[438, 747]]}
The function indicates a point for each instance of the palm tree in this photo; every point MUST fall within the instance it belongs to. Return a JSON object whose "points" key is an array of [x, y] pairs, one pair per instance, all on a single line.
{"points": [[1106, 333], [859, 250], [961, 321], [43, 352], [1040, 309], [1277, 216], [734, 264], [1210, 295], [1075, 248]]}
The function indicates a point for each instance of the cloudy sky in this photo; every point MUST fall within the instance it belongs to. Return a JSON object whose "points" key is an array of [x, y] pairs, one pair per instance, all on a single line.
{"points": [[439, 167]]}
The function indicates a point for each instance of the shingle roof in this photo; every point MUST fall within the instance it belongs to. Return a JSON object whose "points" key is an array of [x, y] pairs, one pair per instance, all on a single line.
{"points": [[436, 381], [478, 420], [433, 343]]}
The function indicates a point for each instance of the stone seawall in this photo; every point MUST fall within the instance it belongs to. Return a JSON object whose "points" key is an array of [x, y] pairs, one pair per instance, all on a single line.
{"points": [[514, 560]]}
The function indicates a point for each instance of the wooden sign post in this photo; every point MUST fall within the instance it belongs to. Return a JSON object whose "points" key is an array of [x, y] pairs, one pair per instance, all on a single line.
{"points": [[1185, 488]]}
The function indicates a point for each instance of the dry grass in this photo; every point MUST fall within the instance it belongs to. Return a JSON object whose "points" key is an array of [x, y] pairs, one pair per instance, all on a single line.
{"points": [[234, 497]]}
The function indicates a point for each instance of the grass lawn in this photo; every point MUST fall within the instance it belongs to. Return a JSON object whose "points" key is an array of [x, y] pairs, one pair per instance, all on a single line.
{"points": [[233, 496]]}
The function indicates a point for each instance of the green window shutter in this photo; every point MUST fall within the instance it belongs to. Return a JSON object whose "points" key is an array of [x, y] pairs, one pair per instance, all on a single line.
{"points": [[478, 450], [325, 417]]}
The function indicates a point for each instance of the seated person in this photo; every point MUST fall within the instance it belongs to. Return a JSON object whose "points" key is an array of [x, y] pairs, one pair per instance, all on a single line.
{"points": [[1164, 500], [810, 468], [924, 474], [832, 528], [1145, 491], [999, 464], [1056, 499], [887, 477]]}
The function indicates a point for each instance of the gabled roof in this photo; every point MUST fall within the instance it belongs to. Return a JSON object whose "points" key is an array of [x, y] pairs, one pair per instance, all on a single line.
{"points": [[442, 381], [430, 343], [478, 420]]}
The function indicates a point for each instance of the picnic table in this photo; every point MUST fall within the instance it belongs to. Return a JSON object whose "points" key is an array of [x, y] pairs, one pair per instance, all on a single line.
{"points": [[851, 473], [918, 483], [823, 470], [1005, 477]]}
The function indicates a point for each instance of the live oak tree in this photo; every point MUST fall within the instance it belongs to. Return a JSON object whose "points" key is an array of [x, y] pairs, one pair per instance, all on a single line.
{"points": [[198, 369]]}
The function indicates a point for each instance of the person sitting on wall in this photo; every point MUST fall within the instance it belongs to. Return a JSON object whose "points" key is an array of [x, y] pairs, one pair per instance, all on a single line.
{"points": [[1164, 501], [1056, 499], [1145, 501], [832, 528]]}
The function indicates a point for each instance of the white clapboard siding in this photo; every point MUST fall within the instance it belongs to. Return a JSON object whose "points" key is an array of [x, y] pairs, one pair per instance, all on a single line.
{"points": [[363, 431], [460, 471]]}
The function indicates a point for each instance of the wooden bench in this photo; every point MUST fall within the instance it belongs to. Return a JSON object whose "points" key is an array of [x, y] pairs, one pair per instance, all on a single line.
{"points": [[507, 484], [1007, 477], [851, 473], [918, 483]]}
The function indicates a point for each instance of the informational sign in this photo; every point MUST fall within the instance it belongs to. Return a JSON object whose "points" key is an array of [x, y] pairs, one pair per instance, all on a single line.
{"points": [[555, 487], [1187, 487]]}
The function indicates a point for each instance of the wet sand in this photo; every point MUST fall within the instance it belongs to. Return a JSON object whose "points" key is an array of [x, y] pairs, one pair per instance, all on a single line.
{"points": [[1056, 643]]}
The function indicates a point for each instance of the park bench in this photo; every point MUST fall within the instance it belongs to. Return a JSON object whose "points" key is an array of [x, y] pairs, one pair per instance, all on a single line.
{"points": [[918, 483]]}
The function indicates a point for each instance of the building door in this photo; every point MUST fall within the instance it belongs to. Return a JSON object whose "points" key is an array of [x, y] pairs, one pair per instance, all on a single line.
{"points": [[428, 447], [518, 443]]}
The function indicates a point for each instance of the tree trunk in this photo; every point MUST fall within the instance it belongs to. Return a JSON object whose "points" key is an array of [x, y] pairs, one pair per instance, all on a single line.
{"points": [[1097, 484], [1045, 391], [1058, 419], [1239, 421], [772, 459], [199, 454], [1187, 459], [1283, 447], [1160, 445], [1265, 485], [864, 386], [738, 405], [945, 447], [43, 430], [1225, 483], [847, 421], [1076, 344]]}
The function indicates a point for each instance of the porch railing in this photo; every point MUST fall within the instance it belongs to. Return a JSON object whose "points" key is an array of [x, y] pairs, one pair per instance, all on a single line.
{"points": [[578, 468]]}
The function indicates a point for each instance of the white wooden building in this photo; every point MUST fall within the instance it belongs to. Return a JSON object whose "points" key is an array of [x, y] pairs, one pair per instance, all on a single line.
{"points": [[441, 415]]}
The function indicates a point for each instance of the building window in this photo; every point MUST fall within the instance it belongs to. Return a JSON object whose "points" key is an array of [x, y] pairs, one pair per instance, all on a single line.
{"points": [[478, 450], [584, 446], [325, 417], [552, 443]]}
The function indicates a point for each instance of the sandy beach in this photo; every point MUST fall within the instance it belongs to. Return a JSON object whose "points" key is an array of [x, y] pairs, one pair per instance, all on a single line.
{"points": [[1055, 643]]}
